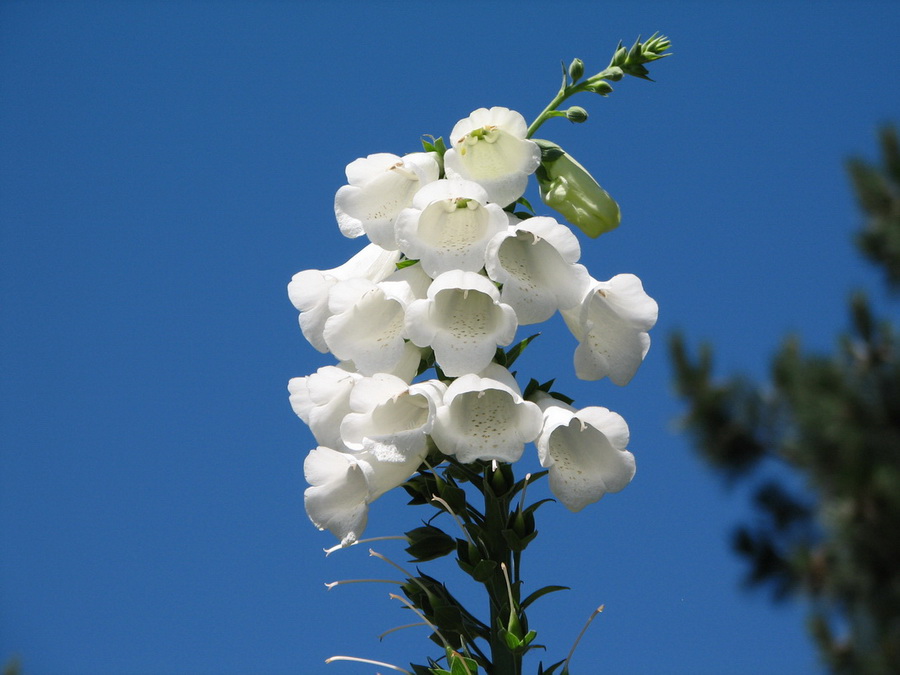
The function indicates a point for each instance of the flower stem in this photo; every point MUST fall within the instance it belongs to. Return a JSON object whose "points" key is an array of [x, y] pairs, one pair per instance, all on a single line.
{"points": [[565, 92], [496, 514]]}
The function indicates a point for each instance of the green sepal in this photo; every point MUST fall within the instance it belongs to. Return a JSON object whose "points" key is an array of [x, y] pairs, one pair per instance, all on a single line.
{"points": [[401, 264], [434, 145], [524, 202], [461, 665], [516, 543], [484, 570]]}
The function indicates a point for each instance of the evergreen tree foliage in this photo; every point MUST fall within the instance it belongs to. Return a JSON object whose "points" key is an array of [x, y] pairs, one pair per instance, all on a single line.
{"points": [[828, 529]]}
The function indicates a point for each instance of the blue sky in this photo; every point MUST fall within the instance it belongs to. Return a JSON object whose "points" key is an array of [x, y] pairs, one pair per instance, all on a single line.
{"points": [[166, 167]]}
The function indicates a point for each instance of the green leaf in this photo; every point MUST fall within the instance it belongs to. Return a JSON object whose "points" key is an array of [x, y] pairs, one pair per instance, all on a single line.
{"points": [[515, 351], [539, 593], [550, 669]]}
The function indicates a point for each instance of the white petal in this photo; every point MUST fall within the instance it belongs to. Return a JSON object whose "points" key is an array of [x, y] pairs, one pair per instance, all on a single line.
{"points": [[611, 329], [322, 400], [584, 452], [484, 419], [309, 289], [462, 321], [365, 327], [535, 262], [490, 148], [336, 500], [380, 187], [449, 226]]}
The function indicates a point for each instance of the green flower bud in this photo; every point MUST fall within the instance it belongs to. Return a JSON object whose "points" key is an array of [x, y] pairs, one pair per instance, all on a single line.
{"points": [[428, 543], [600, 87], [615, 74], [567, 187], [576, 69], [576, 114]]}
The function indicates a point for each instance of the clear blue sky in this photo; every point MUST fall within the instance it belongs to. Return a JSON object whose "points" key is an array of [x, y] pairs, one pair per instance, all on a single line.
{"points": [[166, 167]]}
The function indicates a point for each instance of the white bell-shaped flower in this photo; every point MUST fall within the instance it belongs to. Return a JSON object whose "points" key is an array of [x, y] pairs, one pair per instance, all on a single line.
{"points": [[391, 417], [343, 484], [309, 289], [322, 400], [485, 418], [611, 326], [462, 320], [584, 451], [489, 147], [449, 226], [536, 260], [380, 186], [367, 325], [406, 369]]}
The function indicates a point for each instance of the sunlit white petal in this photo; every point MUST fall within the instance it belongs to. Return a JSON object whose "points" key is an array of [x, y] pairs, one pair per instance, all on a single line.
{"points": [[611, 326], [584, 451], [483, 418], [322, 400], [448, 226], [380, 186], [309, 289], [490, 148], [462, 320], [536, 261]]}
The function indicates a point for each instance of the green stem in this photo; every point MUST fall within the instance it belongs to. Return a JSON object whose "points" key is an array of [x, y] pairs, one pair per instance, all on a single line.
{"points": [[496, 518], [565, 92]]}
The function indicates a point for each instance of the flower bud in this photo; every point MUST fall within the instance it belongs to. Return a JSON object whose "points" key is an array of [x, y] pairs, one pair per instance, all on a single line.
{"points": [[615, 74], [576, 114], [600, 87], [567, 187], [576, 69], [428, 543]]}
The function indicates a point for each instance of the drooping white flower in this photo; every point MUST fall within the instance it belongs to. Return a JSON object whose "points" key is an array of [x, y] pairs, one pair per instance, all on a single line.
{"points": [[406, 369], [343, 484], [485, 418], [448, 226], [462, 320], [391, 418], [490, 148], [536, 260], [380, 186], [322, 400], [309, 289], [584, 451], [367, 326], [611, 326]]}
